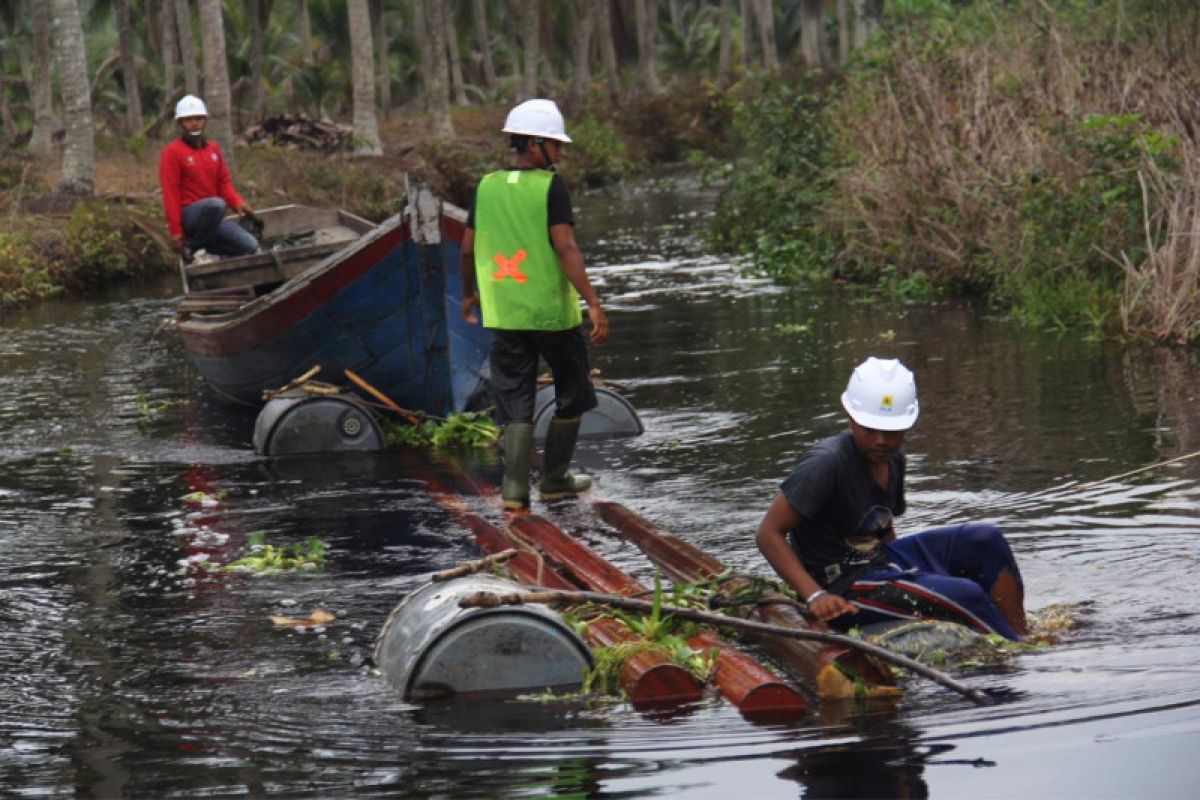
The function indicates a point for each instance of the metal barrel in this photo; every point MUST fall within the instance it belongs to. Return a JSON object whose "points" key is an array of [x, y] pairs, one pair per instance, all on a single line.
{"points": [[429, 647], [296, 423]]}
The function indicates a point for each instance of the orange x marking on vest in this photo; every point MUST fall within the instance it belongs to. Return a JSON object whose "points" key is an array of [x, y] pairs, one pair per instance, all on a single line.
{"points": [[508, 267]]}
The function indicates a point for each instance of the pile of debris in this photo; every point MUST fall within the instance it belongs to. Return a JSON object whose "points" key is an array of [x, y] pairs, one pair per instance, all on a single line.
{"points": [[300, 131]]}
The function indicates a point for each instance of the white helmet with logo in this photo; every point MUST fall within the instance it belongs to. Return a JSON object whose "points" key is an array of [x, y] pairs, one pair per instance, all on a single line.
{"points": [[537, 118], [190, 106], [882, 394]]}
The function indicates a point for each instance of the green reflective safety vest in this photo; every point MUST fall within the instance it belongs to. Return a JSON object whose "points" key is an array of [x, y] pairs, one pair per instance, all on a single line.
{"points": [[521, 285]]}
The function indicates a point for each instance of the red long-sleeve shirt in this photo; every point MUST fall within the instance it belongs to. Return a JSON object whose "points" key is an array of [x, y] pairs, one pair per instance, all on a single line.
{"points": [[188, 174]]}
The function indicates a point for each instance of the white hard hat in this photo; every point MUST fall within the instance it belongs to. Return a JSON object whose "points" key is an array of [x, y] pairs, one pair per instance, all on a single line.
{"points": [[537, 118], [882, 394], [190, 106]]}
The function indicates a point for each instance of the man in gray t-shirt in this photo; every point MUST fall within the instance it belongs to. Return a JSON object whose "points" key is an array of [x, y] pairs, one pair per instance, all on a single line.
{"points": [[830, 534]]}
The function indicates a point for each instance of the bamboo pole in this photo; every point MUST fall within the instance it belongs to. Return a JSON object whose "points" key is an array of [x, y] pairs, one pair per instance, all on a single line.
{"points": [[492, 600]]}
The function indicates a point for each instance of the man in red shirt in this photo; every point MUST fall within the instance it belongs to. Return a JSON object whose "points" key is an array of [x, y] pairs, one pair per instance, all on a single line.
{"points": [[197, 190]]}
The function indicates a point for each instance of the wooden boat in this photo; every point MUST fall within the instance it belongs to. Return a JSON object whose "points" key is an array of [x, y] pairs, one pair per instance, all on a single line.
{"points": [[330, 289]]}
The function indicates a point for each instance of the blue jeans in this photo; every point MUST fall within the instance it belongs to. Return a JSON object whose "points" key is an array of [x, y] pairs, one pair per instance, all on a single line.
{"points": [[944, 573], [205, 226]]}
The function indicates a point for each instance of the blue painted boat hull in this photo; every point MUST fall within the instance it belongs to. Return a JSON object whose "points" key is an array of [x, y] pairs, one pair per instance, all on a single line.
{"points": [[385, 307]]}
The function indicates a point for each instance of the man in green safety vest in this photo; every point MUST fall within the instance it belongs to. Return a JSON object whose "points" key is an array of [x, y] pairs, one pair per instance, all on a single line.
{"points": [[521, 267]]}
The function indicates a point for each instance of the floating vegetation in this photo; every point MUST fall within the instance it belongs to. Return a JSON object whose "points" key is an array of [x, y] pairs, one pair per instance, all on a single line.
{"points": [[466, 430], [267, 559], [947, 644], [793, 328], [204, 499], [149, 409], [657, 633]]}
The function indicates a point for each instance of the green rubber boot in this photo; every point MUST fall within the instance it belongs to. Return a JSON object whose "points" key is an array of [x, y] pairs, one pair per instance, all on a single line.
{"points": [[518, 452], [557, 482]]}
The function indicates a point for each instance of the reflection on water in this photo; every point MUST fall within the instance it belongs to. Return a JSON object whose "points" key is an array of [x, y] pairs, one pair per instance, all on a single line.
{"points": [[129, 672]]}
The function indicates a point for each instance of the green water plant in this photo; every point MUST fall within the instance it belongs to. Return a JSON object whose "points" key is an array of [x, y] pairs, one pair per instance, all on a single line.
{"points": [[267, 559], [465, 430], [656, 633]]}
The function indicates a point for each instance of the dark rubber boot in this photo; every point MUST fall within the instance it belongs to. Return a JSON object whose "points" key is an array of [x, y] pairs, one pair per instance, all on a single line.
{"points": [[518, 452], [560, 446]]}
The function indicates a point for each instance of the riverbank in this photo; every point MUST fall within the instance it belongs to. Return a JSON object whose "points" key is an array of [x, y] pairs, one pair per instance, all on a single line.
{"points": [[54, 245], [1042, 157]]}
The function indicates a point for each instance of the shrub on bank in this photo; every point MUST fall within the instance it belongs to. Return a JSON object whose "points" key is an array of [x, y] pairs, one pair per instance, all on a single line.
{"points": [[1029, 153], [98, 245]]}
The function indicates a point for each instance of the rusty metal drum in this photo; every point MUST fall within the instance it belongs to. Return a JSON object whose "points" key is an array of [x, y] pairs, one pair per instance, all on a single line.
{"points": [[297, 423], [429, 647]]}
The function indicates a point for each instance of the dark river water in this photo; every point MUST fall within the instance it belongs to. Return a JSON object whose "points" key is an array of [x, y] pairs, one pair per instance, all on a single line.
{"points": [[126, 673]]}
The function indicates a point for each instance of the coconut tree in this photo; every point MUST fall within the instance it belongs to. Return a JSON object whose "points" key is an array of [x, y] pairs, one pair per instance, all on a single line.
{"points": [[216, 77], [581, 47], [454, 58], [810, 32], [129, 74], [608, 52], [646, 16], [531, 17], [187, 46], [366, 128], [485, 45], [766, 33], [438, 87], [724, 45], [383, 75], [43, 102], [170, 48], [257, 15], [78, 165]]}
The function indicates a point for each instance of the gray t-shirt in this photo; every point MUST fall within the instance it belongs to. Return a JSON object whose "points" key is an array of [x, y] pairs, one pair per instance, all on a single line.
{"points": [[843, 511]]}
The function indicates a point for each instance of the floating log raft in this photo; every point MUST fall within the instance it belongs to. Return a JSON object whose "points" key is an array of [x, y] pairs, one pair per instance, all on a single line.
{"points": [[828, 670], [649, 677], [755, 690]]}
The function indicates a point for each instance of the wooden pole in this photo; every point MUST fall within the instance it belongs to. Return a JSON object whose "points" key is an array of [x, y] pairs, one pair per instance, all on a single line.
{"points": [[388, 402], [471, 567], [492, 599]]}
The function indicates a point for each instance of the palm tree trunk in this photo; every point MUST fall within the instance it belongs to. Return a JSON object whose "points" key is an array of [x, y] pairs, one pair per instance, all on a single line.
{"points": [[454, 57], [485, 45], [439, 85], [766, 33], [608, 52], [256, 101], [647, 33], [170, 49], [421, 25], [42, 90], [581, 47], [810, 33], [78, 165], [187, 46], [746, 14], [383, 73], [216, 77], [366, 129], [129, 77], [305, 21], [530, 28], [843, 32], [725, 46]]}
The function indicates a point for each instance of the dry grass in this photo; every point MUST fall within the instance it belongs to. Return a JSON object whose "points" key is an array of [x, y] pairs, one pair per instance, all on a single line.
{"points": [[945, 149], [1162, 292]]}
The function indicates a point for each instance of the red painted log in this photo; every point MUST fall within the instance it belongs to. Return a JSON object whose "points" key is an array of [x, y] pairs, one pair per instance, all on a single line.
{"points": [[649, 678], [746, 683], [830, 671]]}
